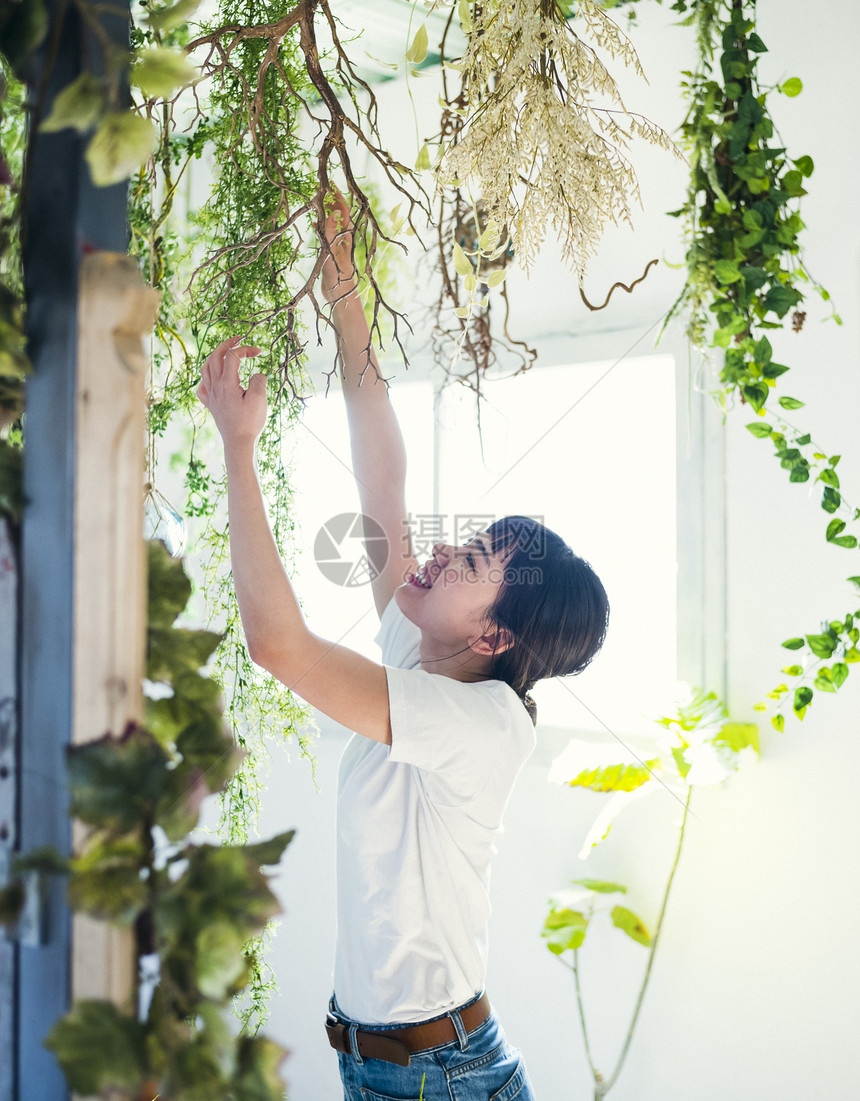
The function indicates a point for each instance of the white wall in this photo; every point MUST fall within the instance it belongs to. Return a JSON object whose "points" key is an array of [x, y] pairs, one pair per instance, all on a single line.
{"points": [[754, 994]]}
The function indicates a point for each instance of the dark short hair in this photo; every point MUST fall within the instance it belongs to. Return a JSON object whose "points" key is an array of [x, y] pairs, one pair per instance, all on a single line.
{"points": [[552, 603]]}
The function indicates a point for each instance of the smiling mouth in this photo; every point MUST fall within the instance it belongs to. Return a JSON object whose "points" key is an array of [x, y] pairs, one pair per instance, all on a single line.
{"points": [[420, 579]]}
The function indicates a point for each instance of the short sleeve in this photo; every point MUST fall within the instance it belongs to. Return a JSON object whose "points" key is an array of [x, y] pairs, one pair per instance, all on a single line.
{"points": [[461, 734]]}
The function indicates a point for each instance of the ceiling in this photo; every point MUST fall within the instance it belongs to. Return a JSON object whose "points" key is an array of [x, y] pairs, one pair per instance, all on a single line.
{"points": [[384, 29]]}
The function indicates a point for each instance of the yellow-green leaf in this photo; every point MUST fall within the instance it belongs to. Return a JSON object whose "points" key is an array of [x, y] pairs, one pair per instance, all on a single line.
{"points": [[422, 161], [119, 146], [490, 237], [629, 923], [564, 929], [621, 777], [79, 105], [418, 50], [464, 14], [738, 736], [166, 19], [496, 278], [462, 263], [159, 71]]}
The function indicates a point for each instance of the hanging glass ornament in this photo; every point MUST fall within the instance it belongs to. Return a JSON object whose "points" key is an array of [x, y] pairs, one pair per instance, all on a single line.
{"points": [[162, 521]]}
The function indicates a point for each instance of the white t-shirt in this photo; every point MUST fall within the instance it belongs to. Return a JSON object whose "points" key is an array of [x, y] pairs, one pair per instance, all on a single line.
{"points": [[417, 828]]}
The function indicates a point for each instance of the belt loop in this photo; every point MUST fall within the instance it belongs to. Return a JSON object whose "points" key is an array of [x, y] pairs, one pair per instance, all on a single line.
{"points": [[353, 1045], [457, 1022]]}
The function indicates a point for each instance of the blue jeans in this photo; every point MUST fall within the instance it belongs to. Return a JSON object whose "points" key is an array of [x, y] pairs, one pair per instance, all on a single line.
{"points": [[480, 1066]]}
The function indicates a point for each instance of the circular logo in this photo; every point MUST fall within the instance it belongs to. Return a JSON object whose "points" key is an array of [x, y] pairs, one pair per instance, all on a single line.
{"points": [[351, 549]]}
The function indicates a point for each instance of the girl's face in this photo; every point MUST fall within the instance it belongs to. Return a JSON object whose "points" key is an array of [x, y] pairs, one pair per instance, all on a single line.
{"points": [[449, 597]]}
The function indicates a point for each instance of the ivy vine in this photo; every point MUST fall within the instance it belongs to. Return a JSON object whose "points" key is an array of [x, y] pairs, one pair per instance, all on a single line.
{"points": [[192, 908]]}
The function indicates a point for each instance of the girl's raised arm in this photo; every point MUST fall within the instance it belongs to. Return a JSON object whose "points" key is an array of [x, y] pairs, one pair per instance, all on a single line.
{"points": [[378, 452], [346, 686]]}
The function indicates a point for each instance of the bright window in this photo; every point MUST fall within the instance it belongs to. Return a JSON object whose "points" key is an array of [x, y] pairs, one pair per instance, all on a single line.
{"points": [[589, 449]]}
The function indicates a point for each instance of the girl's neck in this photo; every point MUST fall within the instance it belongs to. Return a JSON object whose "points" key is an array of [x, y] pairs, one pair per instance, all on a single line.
{"points": [[457, 662]]}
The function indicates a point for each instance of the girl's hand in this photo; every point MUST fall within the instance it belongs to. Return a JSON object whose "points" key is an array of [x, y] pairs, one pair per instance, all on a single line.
{"points": [[239, 414], [337, 279]]}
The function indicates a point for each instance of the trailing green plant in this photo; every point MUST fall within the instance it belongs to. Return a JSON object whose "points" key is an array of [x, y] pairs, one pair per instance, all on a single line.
{"points": [[192, 907], [14, 364], [745, 268], [699, 747]]}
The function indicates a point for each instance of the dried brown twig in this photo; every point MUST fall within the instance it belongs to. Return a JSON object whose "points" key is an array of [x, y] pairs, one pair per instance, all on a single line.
{"points": [[344, 125]]}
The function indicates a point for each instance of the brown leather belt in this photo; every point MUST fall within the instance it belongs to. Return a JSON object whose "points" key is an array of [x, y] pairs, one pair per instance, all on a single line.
{"points": [[394, 1045]]}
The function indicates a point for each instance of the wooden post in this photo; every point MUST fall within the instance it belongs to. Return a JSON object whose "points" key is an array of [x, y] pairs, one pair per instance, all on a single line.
{"points": [[115, 309]]}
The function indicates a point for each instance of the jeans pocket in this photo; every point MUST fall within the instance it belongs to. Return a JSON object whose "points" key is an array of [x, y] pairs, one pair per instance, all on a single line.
{"points": [[518, 1087], [500, 1075]]}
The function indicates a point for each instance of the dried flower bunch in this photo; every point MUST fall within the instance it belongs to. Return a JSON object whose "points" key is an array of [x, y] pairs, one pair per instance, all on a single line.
{"points": [[535, 143]]}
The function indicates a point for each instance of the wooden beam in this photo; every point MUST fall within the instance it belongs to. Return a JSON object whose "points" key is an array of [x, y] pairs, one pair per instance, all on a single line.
{"points": [[115, 309]]}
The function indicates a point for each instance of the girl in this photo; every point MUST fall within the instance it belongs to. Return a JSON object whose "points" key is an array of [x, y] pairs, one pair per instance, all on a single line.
{"points": [[442, 727]]}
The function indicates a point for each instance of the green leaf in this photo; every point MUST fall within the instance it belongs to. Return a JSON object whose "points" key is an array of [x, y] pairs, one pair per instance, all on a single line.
{"points": [[840, 673], [793, 670], [564, 929], [12, 899], [271, 851], [824, 681], [116, 1059], [220, 883], [755, 44], [159, 71], [778, 722], [829, 477], [116, 782], [601, 886], [120, 145], [418, 50], [821, 645], [173, 650], [756, 394], [45, 860], [629, 923], [422, 161], [791, 403], [78, 105], [792, 87], [855, 580], [780, 299], [256, 1076], [221, 967], [831, 499], [106, 881], [833, 529], [726, 271], [802, 698], [804, 165], [793, 644], [169, 587], [759, 429]]}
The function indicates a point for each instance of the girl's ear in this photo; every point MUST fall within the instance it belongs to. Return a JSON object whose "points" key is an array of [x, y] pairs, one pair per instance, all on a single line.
{"points": [[495, 641]]}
